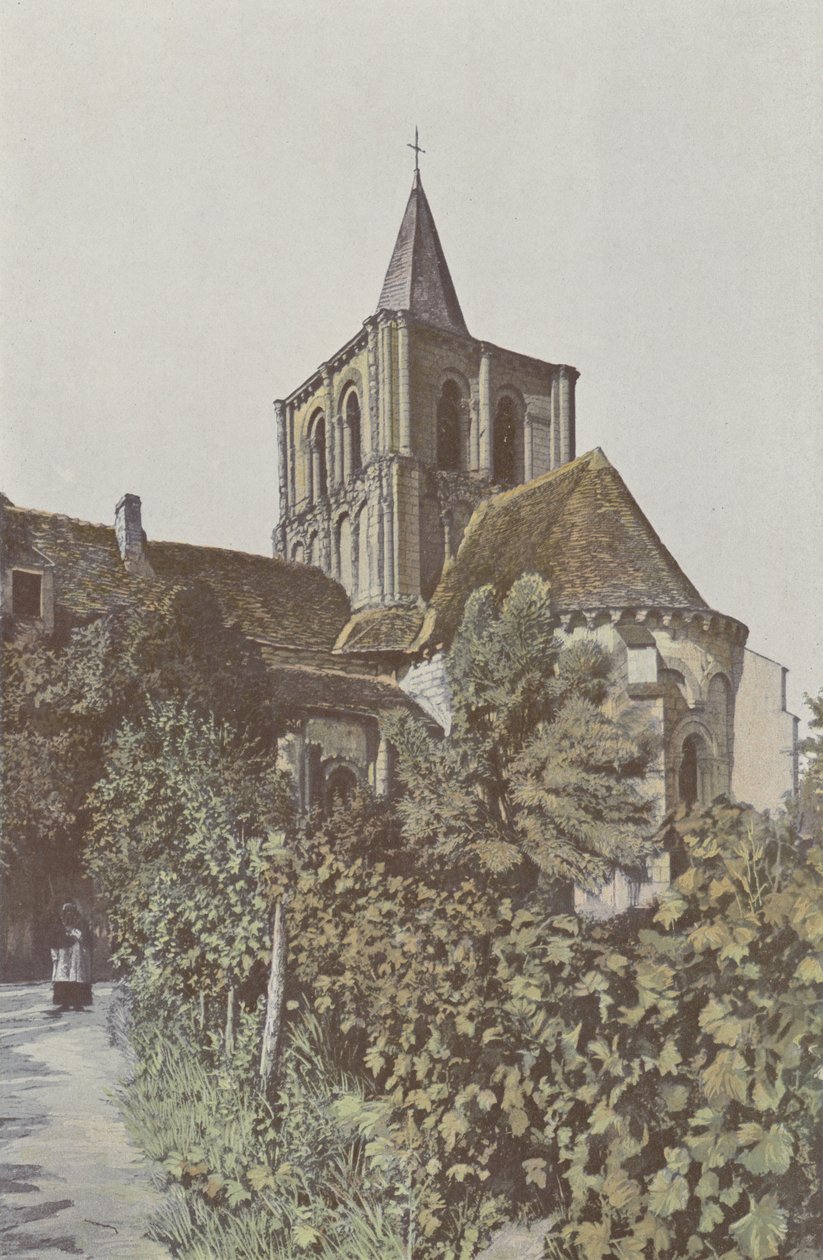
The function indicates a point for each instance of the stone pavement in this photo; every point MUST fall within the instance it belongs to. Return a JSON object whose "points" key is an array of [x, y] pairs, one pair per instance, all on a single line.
{"points": [[72, 1182]]}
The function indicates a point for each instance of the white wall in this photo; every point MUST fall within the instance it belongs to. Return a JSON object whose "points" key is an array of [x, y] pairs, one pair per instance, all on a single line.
{"points": [[765, 735]]}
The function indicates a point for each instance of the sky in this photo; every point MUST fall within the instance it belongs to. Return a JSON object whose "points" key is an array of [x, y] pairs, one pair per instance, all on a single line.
{"points": [[200, 201]]}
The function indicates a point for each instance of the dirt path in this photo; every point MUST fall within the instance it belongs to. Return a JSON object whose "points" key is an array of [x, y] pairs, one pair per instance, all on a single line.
{"points": [[72, 1183]]}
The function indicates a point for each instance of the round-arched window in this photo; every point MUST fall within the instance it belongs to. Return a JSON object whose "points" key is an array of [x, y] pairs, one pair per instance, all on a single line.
{"points": [[352, 442], [505, 441], [448, 427], [692, 756]]}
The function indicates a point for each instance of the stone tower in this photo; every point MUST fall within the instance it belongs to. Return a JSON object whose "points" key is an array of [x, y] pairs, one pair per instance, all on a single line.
{"points": [[385, 451]]}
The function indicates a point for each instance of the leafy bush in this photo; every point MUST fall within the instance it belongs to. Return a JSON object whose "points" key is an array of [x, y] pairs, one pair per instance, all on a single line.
{"points": [[183, 844], [646, 1086]]}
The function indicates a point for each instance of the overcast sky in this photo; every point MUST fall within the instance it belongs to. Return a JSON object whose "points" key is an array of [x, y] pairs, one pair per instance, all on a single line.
{"points": [[200, 200]]}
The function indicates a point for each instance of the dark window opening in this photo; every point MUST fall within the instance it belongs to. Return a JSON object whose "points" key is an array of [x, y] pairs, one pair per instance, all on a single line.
{"points": [[341, 786], [318, 459], [353, 421], [26, 589], [505, 438], [689, 778], [448, 427]]}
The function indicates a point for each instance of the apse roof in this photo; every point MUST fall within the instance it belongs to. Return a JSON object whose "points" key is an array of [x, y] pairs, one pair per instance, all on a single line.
{"points": [[580, 528], [418, 279]]}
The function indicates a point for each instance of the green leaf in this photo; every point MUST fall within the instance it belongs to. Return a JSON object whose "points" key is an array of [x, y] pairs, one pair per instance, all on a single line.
{"points": [[594, 1239], [761, 1231], [717, 1021], [518, 1122], [668, 1193], [621, 1192], [669, 1059], [725, 1079], [772, 1152], [711, 1216], [535, 1170]]}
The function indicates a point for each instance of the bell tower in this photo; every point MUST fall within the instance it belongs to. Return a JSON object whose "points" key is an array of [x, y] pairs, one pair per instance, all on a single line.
{"points": [[387, 449]]}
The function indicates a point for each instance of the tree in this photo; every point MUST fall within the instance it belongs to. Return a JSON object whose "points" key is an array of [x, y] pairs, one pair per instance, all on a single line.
{"points": [[63, 701], [186, 847], [536, 777]]}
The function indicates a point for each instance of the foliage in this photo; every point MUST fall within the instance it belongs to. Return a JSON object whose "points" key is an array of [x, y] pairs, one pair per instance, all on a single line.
{"points": [[536, 776], [811, 785], [185, 845], [646, 1087], [239, 1182], [64, 699]]}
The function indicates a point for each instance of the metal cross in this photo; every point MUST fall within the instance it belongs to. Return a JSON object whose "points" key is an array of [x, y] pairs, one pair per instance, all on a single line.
{"points": [[417, 151]]}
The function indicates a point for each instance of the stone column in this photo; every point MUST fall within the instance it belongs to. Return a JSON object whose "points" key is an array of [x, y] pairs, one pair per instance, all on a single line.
{"points": [[403, 386], [282, 466], [371, 421], [382, 766], [341, 464], [485, 407], [315, 471], [387, 386], [387, 508], [328, 389], [528, 448], [554, 436], [292, 461]]}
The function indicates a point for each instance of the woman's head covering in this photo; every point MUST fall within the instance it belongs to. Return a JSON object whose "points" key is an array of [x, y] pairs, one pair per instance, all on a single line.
{"points": [[70, 911]]}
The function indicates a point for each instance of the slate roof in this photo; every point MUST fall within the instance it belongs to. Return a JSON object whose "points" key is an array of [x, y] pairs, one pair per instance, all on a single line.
{"points": [[418, 279], [581, 529], [270, 599]]}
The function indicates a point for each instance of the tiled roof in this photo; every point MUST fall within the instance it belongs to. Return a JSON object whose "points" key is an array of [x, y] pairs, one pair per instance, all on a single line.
{"points": [[578, 527], [269, 599], [299, 687], [418, 279], [381, 630]]}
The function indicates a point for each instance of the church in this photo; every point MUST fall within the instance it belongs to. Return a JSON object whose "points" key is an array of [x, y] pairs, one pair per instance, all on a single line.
{"points": [[416, 464]]}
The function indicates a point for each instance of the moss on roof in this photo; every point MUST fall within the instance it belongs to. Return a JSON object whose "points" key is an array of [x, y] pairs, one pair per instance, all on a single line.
{"points": [[270, 599], [581, 529], [381, 630]]}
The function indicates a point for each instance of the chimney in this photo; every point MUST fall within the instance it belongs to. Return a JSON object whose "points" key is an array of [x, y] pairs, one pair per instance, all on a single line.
{"points": [[131, 539]]}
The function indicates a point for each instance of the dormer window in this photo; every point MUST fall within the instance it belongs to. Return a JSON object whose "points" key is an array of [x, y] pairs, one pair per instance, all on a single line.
{"points": [[26, 593]]}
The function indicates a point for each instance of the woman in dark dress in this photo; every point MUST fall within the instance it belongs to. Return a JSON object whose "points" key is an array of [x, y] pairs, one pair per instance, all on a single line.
{"points": [[71, 959]]}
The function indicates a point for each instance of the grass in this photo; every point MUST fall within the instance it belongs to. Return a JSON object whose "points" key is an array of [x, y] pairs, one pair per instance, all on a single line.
{"points": [[246, 1178]]}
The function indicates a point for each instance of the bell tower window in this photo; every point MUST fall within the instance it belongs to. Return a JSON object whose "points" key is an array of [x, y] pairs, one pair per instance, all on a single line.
{"points": [[351, 435], [448, 427], [317, 458], [505, 441]]}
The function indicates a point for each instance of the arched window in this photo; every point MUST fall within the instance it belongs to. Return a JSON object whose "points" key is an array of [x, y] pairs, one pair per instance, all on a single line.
{"points": [[341, 786], [351, 437], [692, 770], [317, 455], [505, 441], [297, 553], [343, 557], [448, 427]]}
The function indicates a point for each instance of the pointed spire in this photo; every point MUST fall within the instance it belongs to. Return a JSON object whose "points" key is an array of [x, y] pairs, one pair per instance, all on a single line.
{"points": [[418, 279]]}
